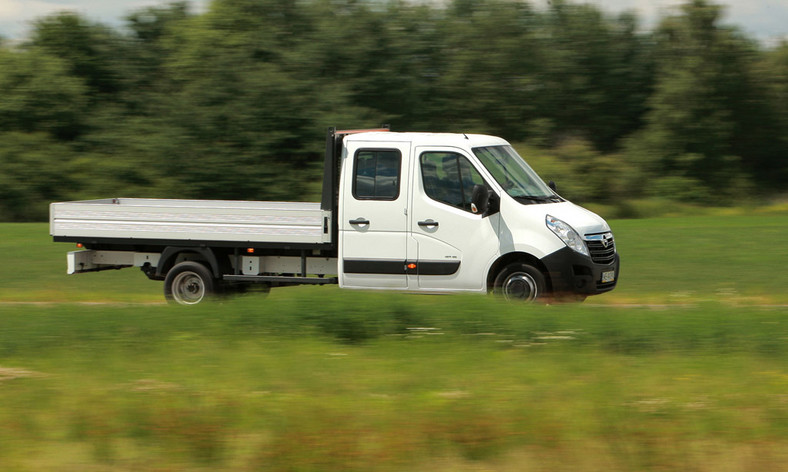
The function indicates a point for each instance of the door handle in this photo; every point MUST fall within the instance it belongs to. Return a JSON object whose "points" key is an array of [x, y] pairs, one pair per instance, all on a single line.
{"points": [[359, 221], [428, 224]]}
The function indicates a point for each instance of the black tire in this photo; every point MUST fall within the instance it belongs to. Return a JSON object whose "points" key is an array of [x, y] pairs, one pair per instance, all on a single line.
{"points": [[519, 281], [189, 283]]}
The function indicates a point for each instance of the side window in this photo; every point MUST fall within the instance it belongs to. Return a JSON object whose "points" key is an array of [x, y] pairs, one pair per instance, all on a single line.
{"points": [[376, 174], [449, 178]]}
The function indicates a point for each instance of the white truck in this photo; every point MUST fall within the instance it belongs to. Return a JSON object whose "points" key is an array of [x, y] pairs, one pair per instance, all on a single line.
{"points": [[419, 212]]}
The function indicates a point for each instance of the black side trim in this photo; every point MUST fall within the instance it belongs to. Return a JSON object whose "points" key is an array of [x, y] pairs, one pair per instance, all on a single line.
{"points": [[399, 267], [437, 268], [373, 267], [190, 243]]}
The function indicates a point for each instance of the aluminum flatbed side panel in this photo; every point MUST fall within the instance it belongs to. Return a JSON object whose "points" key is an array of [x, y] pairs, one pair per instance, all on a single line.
{"points": [[207, 220]]}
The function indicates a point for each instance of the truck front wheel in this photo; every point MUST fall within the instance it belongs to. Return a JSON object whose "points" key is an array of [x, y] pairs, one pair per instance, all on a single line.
{"points": [[188, 283], [520, 281]]}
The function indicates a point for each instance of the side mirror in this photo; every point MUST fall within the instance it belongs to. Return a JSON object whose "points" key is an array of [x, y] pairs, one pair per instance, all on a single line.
{"points": [[480, 199], [551, 184]]}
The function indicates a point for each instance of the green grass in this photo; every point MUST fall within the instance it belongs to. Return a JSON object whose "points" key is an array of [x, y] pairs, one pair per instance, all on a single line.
{"points": [[320, 379], [684, 260], [452, 383]]}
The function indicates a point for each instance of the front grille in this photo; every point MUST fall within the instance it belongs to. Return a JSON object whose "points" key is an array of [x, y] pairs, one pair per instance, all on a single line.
{"points": [[601, 247]]}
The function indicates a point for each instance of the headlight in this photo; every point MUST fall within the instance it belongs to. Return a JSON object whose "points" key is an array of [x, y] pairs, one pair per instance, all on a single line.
{"points": [[568, 235]]}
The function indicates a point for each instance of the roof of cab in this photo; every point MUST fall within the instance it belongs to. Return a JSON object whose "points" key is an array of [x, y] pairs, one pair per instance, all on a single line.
{"points": [[428, 139]]}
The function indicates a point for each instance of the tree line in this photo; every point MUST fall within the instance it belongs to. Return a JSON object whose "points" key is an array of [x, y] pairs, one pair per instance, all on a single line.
{"points": [[233, 103]]}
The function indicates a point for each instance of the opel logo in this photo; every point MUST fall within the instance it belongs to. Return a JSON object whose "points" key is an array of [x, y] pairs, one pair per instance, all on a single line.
{"points": [[606, 240]]}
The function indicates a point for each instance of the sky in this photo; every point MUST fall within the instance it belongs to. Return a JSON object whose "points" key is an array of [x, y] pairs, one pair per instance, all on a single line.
{"points": [[16, 16], [766, 20]]}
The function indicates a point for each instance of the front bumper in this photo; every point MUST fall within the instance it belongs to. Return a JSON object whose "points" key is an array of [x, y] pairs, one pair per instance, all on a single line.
{"points": [[572, 272]]}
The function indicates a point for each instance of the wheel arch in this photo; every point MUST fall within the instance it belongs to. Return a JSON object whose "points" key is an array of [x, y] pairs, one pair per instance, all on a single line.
{"points": [[508, 258], [170, 254]]}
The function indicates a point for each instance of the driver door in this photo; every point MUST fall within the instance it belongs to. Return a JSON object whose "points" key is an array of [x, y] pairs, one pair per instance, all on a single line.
{"points": [[454, 245]]}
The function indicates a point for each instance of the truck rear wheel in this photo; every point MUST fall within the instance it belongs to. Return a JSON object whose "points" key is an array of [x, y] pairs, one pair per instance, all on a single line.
{"points": [[189, 283], [521, 282]]}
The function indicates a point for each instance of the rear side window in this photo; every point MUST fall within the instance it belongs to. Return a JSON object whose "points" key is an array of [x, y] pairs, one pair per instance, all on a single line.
{"points": [[376, 174]]}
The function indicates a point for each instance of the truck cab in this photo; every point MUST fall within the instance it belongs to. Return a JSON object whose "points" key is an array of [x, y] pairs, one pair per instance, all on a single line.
{"points": [[462, 212]]}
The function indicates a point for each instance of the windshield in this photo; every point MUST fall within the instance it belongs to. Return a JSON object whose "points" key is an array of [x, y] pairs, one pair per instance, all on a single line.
{"points": [[514, 175]]}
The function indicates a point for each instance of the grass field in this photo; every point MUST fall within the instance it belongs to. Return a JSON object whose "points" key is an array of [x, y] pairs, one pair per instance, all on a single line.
{"points": [[682, 367]]}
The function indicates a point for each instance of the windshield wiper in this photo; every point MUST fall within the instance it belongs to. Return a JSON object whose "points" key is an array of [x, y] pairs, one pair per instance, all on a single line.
{"points": [[530, 198], [538, 199]]}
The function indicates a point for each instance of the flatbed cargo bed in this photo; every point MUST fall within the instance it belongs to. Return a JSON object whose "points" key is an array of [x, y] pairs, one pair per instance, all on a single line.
{"points": [[191, 220]]}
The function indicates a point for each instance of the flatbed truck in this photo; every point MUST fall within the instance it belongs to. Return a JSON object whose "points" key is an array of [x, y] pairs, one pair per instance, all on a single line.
{"points": [[418, 212]]}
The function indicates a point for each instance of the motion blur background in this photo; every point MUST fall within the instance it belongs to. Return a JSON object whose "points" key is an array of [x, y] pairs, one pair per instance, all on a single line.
{"points": [[230, 99], [682, 367]]}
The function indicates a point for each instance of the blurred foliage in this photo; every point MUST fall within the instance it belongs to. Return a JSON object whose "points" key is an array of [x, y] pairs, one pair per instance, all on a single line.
{"points": [[232, 103]]}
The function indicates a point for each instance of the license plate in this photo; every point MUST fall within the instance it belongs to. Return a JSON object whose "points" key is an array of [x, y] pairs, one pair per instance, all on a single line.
{"points": [[608, 276]]}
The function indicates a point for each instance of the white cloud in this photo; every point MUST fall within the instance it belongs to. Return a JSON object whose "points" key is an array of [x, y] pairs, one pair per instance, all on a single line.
{"points": [[9, 9], [762, 18], [16, 16]]}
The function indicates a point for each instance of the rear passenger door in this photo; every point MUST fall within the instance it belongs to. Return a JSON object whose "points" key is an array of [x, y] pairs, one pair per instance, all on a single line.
{"points": [[373, 220]]}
